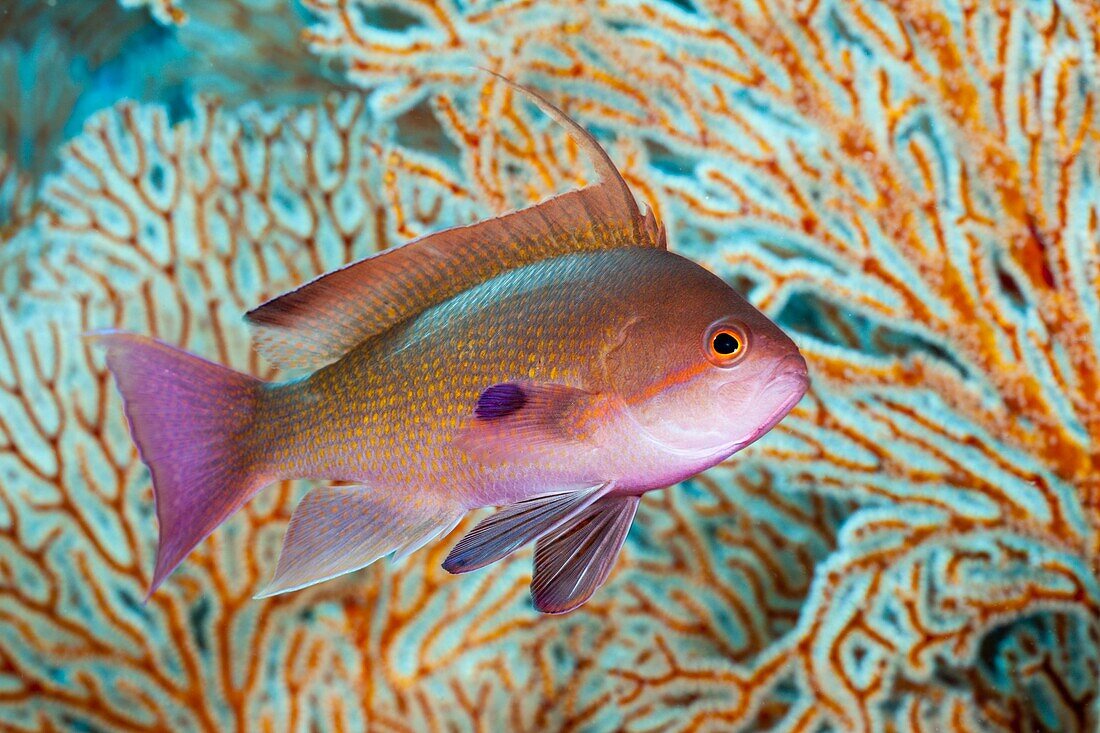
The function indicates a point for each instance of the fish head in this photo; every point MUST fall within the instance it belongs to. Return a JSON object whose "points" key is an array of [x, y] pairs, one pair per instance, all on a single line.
{"points": [[699, 370]]}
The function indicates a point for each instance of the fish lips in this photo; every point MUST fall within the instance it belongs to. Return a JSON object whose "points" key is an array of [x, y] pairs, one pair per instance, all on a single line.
{"points": [[788, 383]]}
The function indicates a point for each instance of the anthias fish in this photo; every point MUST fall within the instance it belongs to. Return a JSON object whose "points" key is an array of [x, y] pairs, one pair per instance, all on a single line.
{"points": [[557, 362]]}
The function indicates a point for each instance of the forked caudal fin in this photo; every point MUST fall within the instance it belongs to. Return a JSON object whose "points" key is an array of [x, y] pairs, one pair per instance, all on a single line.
{"points": [[187, 416]]}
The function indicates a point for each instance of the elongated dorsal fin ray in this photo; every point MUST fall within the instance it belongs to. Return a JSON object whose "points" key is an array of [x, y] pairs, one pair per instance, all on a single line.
{"points": [[608, 173], [319, 322]]}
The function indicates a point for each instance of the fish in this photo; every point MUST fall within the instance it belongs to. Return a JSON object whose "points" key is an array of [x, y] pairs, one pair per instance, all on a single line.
{"points": [[556, 362]]}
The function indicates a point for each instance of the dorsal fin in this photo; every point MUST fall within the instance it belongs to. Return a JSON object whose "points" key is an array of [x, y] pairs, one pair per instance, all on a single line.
{"points": [[322, 320], [605, 168]]}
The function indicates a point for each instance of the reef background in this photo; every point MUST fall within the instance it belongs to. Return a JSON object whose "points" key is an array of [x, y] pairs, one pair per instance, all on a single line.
{"points": [[909, 187]]}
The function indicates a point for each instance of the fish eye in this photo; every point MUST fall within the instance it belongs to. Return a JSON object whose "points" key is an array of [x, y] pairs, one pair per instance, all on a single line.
{"points": [[725, 345]]}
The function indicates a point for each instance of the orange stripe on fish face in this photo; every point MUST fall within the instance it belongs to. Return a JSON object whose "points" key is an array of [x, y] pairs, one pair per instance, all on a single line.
{"points": [[590, 416], [673, 378]]}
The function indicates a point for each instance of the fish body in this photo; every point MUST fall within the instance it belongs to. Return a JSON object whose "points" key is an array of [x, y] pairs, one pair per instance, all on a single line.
{"points": [[558, 362], [396, 412]]}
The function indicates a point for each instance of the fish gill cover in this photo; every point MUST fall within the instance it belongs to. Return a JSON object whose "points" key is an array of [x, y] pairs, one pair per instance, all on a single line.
{"points": [[909, 188]]}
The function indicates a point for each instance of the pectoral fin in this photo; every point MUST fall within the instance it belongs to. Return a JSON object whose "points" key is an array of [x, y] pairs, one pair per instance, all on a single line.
{"points": [[514, 526], [574, 560], [517, 418]]}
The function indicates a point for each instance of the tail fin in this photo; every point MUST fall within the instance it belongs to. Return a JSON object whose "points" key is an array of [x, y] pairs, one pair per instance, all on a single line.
{"points": [[187, 416]]}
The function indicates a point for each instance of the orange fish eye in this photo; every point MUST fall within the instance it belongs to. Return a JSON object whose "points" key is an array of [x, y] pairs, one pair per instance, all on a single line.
{"points": [[725, 345]]}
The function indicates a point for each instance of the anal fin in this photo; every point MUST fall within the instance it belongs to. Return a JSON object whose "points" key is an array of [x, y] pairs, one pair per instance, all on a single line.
{"points": [[415, 543], [339, 529], [575, 560], [514, 526]]}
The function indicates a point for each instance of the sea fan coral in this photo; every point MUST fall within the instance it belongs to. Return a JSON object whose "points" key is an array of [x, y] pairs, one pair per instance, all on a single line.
{"points": [[35, 118], [910, 188], [95, 52]]}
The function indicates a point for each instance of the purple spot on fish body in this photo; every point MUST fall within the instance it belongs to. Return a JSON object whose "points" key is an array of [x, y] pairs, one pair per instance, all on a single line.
{"points": [[500, 400]]}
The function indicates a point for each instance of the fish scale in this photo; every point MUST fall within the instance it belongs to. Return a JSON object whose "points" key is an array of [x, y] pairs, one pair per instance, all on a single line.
{"points": [[410, 401], [558, 362]]}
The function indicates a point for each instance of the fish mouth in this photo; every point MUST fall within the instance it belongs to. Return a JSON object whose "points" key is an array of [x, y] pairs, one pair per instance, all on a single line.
{"points": [[791, 373], [797, 387], [789, 376]]}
